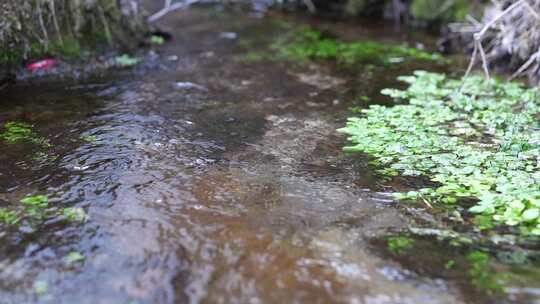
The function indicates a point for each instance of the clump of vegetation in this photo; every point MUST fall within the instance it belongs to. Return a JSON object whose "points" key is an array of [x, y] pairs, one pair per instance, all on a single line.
{"points": [[8, 217], [440, 10], [36, 201], [17, 131], [308, 44], [156, 40], [74, 214], [125, 60], [74, 257], [89, 138], [481, 275], [477, 140], [399, 244], [36, 207], [32, 207]]}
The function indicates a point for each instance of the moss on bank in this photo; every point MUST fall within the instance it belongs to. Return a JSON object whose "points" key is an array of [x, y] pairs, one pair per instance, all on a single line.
{"points": [[308, 44], [311, 44], [34, 28]]}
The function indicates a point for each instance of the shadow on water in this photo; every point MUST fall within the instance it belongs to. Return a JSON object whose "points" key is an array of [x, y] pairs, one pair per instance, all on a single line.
{"points": [[211, 180]]}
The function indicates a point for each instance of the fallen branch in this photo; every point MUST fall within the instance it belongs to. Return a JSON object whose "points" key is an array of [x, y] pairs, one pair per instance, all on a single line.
{"points": [[532, 11], [170, 7], [524, 67], [478, 48], [310, 6]]}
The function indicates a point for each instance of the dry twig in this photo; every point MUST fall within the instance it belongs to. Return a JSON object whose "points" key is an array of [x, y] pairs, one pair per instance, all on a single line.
{"points": [[311, 6], [524, 67], [478, 48], [169, 7]]}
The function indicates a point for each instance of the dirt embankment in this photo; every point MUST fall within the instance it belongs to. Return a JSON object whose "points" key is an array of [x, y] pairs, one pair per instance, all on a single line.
{"points": [[510, 31], [33, 28]]}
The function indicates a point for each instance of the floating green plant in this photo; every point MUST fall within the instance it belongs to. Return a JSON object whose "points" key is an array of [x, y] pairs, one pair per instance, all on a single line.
{"points": [[477, 140], [36, 201], [125, 60], [35, 208], [74, 257], [74, 214], [156, 40], [89, 138], [19, 131], [15, 131], [8, 217], [35, 205]]}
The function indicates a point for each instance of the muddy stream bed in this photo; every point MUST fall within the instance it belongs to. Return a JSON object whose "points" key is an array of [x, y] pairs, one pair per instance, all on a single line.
{"points": [[230, 187]]}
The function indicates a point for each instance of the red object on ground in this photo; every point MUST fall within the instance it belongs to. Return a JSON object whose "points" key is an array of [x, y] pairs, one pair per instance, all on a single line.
{"points": [[40, 65]]}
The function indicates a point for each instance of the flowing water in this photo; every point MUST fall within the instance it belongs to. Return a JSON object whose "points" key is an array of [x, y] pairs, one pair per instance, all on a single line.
{"points": [[212, 179]]}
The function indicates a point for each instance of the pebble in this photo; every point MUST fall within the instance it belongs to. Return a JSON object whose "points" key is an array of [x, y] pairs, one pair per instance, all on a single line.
{"points": [[190, 85], [228, 35]]}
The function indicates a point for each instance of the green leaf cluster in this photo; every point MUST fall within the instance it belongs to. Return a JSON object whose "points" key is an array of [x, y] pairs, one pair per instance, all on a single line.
{"points": [[18, 131], [476, 139], [313, 45], [36, 207], [74, 257], [15, 131], [156, 40], [8, 217], [480, 273], [399, 244], [32, 206], [126, 60]]}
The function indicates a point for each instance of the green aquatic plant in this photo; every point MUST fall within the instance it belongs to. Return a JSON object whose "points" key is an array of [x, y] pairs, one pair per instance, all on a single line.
{"points": [[37, 201], [399, 244], [74, 257], [156, 40], [35, 208], [8, 217], [18, 131], [42, 157], [35, 205], [308, 44], [476, 140], [481, 275], [89, 138], [125, 61], [450, 264], [75, 214], [15, 131]]}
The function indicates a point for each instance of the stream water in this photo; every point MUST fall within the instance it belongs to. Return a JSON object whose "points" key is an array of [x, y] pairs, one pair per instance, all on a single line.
{"points": [[211, 179]]}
